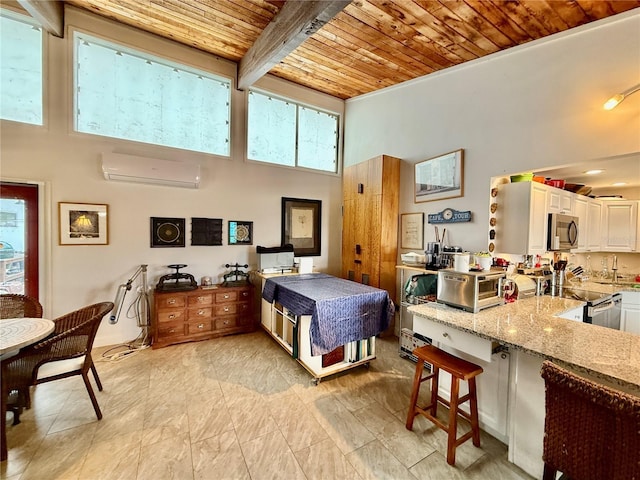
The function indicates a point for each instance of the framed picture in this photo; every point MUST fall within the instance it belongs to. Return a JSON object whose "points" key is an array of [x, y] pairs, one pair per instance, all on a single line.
{"points": [[240, 233], [167, 232], [301, 220], [440, 177], [412, 231], [83, 223]]}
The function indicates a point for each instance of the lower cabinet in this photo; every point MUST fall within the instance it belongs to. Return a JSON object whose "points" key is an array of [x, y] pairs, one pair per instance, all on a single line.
{"points": [[630, 313], [201, 314], [492, 384]]}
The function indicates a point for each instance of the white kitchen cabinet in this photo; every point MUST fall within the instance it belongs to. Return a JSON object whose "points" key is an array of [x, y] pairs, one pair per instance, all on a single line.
{"points": [[560, 201], [527, 412], [522, 218], [581, 210], [593, 228], [492, 383], [620, 221], [630, 313]]}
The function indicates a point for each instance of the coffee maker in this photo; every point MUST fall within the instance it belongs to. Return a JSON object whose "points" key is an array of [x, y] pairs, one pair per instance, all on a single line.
{"points": [[433, 255]]}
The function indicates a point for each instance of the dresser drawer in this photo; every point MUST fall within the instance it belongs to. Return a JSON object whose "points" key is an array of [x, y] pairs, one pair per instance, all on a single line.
{"points": [[167, 330], [171, 301], [170, 315], [196, 313], [227, 322], [474, 345], [226, 309], [200, 300], [223, 297], [204, 326]]}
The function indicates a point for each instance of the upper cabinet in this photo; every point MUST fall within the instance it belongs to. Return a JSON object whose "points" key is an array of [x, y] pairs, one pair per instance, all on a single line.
{"points": [[620, 224], [522, 218], [603, 225]]}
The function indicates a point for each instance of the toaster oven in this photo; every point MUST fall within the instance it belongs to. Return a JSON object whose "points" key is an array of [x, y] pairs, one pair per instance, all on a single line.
{"points": [[471, 291]]}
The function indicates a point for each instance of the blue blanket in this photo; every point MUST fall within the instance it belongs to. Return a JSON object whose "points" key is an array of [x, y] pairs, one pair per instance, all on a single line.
{"points": [[341, 311]]}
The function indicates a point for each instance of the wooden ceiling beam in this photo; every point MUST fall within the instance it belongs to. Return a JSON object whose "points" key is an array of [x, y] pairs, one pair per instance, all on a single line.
{"points": [[50, 14], [292, 25]]}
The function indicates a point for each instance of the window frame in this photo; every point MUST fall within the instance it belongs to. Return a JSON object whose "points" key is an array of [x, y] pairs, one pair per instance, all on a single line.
{"points": [[135, 49], [297, 103]]}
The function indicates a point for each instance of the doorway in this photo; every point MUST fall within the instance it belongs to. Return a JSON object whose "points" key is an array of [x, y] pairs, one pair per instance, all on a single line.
{"points": [[19, 239]]}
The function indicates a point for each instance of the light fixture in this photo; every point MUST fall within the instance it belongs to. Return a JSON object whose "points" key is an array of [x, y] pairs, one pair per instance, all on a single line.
{"points": [[593, 172], [619, 97], [618, 184]]}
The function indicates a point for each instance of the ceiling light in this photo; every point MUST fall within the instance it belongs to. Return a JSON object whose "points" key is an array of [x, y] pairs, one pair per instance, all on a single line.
{"points": [[618, 184], [616, 99], [593, 172]]}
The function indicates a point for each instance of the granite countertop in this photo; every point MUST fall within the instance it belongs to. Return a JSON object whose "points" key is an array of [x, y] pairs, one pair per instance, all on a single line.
{"points": [[530, 325]]}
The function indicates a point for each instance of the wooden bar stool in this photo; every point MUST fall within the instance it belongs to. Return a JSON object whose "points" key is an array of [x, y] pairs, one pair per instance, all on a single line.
{"points": [[460, 370]]}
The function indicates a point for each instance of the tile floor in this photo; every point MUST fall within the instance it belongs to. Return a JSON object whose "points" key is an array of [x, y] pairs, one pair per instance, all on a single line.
{"points": [[238, 408]]}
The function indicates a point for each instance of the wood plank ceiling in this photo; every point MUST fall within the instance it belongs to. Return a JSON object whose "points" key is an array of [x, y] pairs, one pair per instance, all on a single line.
{"points": [[370, 44]]}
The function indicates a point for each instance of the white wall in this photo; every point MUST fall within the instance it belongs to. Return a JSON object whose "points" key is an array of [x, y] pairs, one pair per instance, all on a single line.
{"points": [[530, 107], [232, 189]]}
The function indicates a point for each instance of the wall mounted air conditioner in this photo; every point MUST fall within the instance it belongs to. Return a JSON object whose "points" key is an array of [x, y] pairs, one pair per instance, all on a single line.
{"points": [[130, 168]]}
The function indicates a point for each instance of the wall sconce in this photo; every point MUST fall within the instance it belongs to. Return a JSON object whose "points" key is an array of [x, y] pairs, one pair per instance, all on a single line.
{"points": [[616, 99]]}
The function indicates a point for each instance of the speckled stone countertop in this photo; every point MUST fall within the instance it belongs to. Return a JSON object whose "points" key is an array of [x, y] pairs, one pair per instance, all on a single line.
{"points": [[530, 325]]}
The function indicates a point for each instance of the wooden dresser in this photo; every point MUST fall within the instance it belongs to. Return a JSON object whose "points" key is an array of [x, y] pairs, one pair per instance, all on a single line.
{"points": [[201, 314]]}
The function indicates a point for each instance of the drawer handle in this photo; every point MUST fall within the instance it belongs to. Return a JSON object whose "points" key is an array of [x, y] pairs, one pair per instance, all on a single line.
{"points": [[226, 309], [171, 301], [445, 335], [226, 322], [201, 326], [201, 299], [245, 294], [226, 295], [201, 312], [172, 330], [172, 316]]}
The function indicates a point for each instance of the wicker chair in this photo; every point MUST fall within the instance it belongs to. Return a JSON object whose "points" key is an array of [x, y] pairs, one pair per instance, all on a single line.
{"points": [[592, 432], [13, 305], [65, 353]]}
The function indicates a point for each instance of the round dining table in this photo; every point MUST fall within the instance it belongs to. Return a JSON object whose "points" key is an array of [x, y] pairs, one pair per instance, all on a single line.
{"points": [[16, 333]]}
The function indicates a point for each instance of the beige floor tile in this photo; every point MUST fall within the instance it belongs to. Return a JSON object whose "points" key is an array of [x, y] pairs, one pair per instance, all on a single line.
{"points": [[323, 461], [219, 457], [269, 458], [374, 461], [405, 445], [115, 458], [208, 416], [435, 467], [169, 459]]}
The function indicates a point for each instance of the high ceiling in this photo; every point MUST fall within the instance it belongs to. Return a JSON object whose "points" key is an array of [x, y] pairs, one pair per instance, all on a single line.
{"points": [[352, 48]]}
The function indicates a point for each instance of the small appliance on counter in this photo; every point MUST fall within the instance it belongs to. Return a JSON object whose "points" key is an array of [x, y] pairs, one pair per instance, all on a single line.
{"points": [[470, 291], [275, 259], [176, 282]]}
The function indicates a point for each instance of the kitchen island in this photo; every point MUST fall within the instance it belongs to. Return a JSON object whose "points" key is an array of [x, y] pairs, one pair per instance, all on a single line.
{"points": [[531, 331]]}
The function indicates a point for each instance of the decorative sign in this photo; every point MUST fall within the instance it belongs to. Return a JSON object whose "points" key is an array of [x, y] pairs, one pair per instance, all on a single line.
{"points": [[449, 215]]}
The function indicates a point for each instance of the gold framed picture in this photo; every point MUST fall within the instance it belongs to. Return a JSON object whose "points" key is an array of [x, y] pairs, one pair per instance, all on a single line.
{"points": [[412, 231]]}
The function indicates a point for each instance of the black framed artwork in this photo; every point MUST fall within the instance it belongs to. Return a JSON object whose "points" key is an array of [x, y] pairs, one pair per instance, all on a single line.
{"points": [[240, 232], [301, 220], [206, 231], [167, 232]]}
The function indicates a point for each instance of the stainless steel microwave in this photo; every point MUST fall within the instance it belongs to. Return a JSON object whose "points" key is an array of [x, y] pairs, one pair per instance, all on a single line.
{"points": [[563, 232], [471, 291]]}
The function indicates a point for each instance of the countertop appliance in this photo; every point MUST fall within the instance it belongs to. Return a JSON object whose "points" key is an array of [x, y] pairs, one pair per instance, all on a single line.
{"points": [[471, 291], [602, 309], [562, 232]]}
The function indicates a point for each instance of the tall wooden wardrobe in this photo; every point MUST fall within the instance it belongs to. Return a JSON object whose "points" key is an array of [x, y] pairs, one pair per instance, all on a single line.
{"points": [[371, 195]]}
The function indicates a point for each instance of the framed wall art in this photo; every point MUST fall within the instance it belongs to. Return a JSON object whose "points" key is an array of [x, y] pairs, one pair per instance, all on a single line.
{"points": [[167, 232], [240, 233], [412, 231], [440, 177], [301, 220], [83, 223]]}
